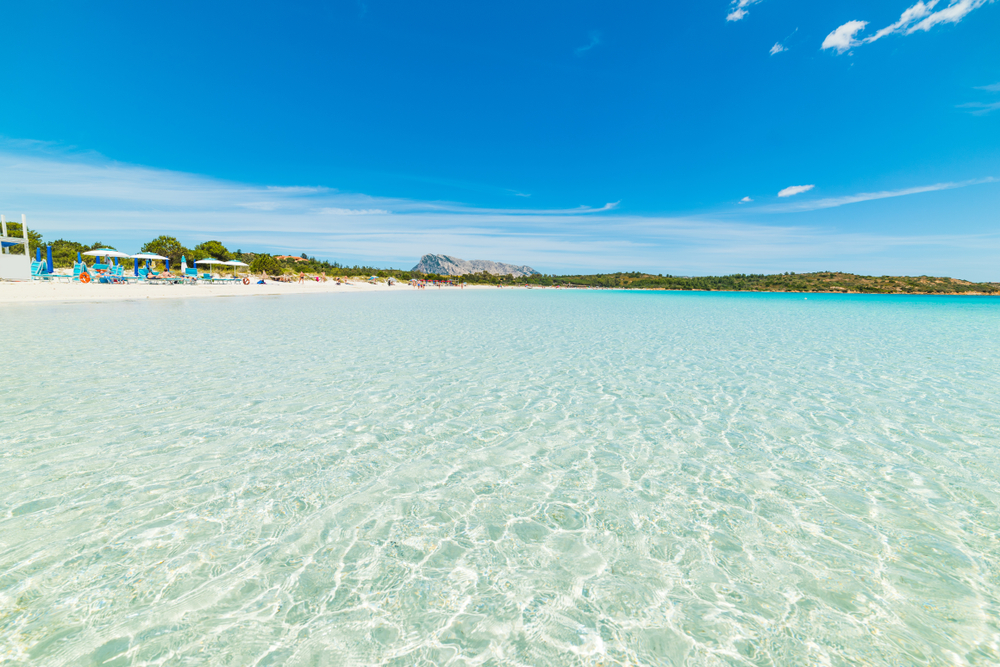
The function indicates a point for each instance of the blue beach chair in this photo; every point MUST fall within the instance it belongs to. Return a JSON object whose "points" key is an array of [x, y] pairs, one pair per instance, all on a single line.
{"points": [[78, 268]]}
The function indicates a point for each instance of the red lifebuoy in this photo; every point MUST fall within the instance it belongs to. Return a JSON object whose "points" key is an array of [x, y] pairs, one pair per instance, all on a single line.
{"points": [[246, 281], [84, 277]]}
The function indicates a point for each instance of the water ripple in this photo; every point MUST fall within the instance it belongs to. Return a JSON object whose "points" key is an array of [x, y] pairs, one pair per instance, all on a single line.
{"points": [[515, 478]]}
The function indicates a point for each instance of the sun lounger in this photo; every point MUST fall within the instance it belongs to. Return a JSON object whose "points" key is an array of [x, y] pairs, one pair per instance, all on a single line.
{"points": [[110, 275], [39, 272], [151, 278]]}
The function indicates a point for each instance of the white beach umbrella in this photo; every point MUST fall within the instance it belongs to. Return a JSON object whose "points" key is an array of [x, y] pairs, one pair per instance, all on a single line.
{"points": [[209, 260], [107, 252], [146, 256], [235, 263]]}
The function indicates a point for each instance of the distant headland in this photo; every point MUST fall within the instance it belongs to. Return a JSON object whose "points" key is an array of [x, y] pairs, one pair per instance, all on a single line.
{"points": [[445, 265]]}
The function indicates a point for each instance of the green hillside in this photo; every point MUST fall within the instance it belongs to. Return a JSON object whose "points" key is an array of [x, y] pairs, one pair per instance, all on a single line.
{"points": [[785, 282]]}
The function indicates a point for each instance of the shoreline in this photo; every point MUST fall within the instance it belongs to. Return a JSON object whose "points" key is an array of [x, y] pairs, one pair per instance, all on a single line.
{"points": [[38, 292]]}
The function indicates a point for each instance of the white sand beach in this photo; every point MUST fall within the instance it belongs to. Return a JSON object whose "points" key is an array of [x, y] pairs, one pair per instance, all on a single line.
{"points": [[25, 292]]}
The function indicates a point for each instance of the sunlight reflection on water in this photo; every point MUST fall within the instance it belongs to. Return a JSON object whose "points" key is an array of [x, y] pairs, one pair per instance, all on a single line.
{"points": [[501, 477]]}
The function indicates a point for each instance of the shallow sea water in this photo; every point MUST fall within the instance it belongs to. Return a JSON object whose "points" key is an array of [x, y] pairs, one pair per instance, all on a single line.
{"points": [[501, 478]]}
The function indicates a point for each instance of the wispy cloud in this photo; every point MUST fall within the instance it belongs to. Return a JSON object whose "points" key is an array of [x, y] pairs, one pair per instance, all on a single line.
{"points": [[779, 47], [831, 202], [86, 197], [352, 211], [842, 39], [795, 190], [909, 17], [980, 108], [953, 13], [595, 40], [738, 9], [746, 200], [918, 17]]}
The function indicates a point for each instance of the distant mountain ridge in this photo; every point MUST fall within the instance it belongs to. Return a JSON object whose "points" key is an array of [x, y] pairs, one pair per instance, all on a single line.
{"points": [[445, 265]]}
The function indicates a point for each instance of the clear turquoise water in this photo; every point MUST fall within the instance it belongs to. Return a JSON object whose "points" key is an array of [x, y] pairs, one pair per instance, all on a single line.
{"points": [[501, 478]]}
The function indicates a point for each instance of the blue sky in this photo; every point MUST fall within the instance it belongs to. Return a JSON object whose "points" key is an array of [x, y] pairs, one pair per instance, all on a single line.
{"points": [[572, 136]]}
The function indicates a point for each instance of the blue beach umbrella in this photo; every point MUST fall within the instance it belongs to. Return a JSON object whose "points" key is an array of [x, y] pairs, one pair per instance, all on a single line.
{"points": [[38, 254], [48, 258], [135, 267], [78, 258]]}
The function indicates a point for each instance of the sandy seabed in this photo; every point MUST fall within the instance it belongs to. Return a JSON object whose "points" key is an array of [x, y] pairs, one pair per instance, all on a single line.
{"points": [[25, 292]]}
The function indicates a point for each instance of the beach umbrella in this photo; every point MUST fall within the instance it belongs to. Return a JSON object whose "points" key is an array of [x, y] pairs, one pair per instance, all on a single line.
{"points": [[78, 258], [235, 263], [38, 254], [48, 258], [146, 256], [209, 260], [106, 252]]}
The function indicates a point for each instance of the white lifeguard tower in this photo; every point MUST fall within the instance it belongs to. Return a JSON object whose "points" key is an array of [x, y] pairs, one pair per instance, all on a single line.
{"points": [[14, 267]]}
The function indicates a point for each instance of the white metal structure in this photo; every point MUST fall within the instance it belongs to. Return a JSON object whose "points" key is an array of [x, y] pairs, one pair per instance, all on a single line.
{"points": [[15, 267]]}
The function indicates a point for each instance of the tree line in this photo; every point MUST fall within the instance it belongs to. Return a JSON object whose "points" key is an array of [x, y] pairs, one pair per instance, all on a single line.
{"points": [[64, 255]]}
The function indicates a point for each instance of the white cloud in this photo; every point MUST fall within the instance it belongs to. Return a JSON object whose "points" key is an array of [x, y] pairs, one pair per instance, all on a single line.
{"points": [[910, 16], [953, 13], [777, 48], [980, 108], [298, 189], [739, 10], [86, 198], [795, 190], [746, 200], [352, 211], [832, 202], [916, 17], [595, 40], [842, 39]]}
